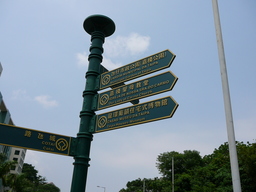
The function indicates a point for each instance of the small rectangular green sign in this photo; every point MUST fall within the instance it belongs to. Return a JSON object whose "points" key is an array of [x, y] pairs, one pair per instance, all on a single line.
{"points": [[136, 69], [35, 140], [141, 113], [140, 89]]}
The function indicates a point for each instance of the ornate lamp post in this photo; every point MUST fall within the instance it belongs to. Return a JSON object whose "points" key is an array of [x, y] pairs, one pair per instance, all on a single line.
{"points": [[99, 27]]}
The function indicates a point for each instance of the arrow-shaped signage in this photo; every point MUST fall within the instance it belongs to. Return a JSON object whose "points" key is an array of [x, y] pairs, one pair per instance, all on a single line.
{"points": [[137, 90], [35, 140], [103, 70], [136, 69], [141, 113]]}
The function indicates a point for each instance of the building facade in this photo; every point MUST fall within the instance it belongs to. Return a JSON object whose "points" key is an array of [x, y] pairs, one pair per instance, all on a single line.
{"points": [[12, 153]]}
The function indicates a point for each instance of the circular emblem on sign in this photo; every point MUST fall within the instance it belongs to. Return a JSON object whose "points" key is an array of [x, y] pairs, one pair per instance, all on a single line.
{"points": [[61, 144], [102, 121], [104, 99], [105, 80]]}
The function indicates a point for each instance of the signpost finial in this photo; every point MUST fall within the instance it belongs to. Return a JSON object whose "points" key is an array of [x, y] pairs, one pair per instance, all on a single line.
{"points": [[99, 23]]}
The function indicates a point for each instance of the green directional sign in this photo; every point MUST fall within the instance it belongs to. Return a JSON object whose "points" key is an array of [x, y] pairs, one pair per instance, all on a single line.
{"points": [[35, 140], [136, 69], [102, 70], [140, 89], [141, 113]]}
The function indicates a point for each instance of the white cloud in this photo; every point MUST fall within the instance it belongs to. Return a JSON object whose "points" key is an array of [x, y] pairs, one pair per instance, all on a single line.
{"points": [[46, 101], [20, 94], [119, 46], [108, 64], [137, 44], [82, 59], [131, 45]]}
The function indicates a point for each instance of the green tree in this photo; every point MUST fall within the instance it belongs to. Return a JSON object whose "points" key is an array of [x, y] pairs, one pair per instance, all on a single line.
{"points": [[151, 185], [158, 185], [48, 187], [212, 173], [5, 167], [183, 162], [18, 183], [202, 180], [135, 185], [28, 181], [164, 163], [217, 171], [247, 164], [184, 165], [32, 175], [218, 164], [39, 183]]}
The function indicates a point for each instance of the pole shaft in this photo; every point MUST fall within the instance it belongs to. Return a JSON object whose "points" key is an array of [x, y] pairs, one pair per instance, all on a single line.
{"points": [[84, 137], [143, 185], [227, 102], [99, 27]]}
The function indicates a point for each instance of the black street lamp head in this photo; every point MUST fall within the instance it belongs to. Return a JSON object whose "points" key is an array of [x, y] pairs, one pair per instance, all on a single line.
{"points": [[99, 23]]}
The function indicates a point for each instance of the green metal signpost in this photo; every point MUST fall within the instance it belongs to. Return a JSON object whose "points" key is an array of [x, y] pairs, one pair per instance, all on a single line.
{"points": [[98, 27], [98, 78]]}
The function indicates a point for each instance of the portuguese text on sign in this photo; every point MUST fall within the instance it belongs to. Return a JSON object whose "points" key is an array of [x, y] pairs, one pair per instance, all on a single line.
{"points": [[141, 113], [35, 140], [147, 87], [136, 69]]}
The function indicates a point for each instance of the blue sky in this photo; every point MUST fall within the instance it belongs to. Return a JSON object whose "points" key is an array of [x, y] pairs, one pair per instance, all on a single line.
{"points": [[44, 51]]}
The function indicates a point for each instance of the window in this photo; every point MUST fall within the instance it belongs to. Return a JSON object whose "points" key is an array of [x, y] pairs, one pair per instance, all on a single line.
{"points": [[19, 170], [23, 154], [21, 162], [15, 159], [6, 149], [17, 152]]}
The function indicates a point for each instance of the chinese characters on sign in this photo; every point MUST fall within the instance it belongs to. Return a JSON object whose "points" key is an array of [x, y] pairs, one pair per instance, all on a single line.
{"points": [[136, 69], [35, 140], [137, 90], [120, 93], [142, 113]]}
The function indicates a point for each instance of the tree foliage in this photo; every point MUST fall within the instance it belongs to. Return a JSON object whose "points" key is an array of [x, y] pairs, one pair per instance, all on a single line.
{"points": [[38, 183], [32, 175], [152, 185], [28, 181], [5, 167], [193, 173]]}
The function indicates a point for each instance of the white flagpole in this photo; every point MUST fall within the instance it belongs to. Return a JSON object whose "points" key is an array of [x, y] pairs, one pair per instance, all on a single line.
{"points": [[227, 103]]}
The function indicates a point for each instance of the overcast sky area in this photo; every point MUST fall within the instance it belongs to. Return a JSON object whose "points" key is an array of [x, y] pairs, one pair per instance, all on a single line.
{"points": [[44, 50]]}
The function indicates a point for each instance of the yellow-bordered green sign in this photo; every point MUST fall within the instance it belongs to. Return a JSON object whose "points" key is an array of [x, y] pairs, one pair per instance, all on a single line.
{"points": [[35, 140], [136, 69], [140, 89], [141, 113]]}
